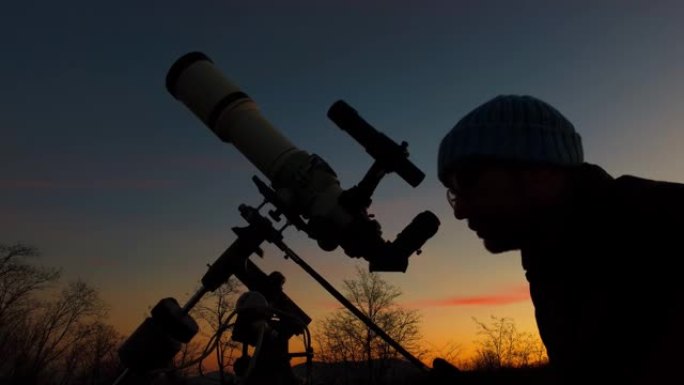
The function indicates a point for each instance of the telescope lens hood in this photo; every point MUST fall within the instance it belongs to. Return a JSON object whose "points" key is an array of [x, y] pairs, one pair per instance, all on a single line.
{"points": [[181, 65]]}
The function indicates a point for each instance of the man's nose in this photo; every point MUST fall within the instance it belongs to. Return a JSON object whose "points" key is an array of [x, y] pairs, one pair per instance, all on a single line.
{"points": [[459, 213], [461, 208]]}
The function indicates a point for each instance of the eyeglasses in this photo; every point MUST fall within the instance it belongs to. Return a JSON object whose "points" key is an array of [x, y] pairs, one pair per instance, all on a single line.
{"points": [[463, 181], [451, 197]]}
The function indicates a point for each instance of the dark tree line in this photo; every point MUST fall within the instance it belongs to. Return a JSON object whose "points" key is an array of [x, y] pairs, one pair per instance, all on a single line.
{"points": [[56, 333], [356, 355], [51, 332]]}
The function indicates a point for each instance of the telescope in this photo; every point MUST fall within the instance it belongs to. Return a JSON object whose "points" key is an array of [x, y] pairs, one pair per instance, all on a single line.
{"points": [[303, 187], [305, 190]]}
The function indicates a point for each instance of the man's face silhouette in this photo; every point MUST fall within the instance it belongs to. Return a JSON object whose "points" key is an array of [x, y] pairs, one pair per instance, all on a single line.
{"points": [[491, 197]]}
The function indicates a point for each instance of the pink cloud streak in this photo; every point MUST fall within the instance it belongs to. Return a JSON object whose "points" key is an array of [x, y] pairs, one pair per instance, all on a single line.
{"points": [[506, 297], [118, 184]]}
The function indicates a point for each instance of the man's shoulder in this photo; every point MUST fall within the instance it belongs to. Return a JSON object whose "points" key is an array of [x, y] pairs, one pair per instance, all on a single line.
{"points": [[631, 210], [636, 183], [628, 192], [648, 195]]}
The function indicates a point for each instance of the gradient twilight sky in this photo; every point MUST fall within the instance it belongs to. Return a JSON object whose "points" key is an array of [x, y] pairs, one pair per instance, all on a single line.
{"points": [[119, 184]]}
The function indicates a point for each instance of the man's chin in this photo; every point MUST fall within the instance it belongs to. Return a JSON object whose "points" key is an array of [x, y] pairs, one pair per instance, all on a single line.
{"points": [[496, 246]]}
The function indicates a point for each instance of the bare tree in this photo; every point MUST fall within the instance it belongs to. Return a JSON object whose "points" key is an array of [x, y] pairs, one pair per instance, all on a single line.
{"points": [[189, 353], [344, 338], [19, 280], [502, 345], [58, 339], [93, 359], [214, 309], [449, 351], [55, 329]]}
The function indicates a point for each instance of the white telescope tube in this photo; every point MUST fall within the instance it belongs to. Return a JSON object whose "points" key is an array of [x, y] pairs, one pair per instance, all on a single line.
{"points": [[299, 178], [229, 112]]}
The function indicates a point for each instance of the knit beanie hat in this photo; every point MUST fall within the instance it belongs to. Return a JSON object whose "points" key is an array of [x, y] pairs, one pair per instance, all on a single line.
{"points": [[511, 127]]}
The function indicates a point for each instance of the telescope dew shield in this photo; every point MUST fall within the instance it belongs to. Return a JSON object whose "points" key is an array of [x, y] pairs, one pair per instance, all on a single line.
{"points": [[228, 112]]}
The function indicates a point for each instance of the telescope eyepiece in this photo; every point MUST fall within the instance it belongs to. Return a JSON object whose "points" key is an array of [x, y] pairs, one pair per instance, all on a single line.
{"points": [[392, 156]]}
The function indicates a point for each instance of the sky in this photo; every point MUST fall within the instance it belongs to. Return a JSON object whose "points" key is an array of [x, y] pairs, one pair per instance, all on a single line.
{"points": [[117, 183]]}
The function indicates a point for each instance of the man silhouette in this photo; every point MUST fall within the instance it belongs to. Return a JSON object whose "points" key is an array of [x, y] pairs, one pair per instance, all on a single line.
{"points": [[601, 254]]}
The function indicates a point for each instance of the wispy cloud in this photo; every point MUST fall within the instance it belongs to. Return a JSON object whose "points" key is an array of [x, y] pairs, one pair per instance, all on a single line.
{"points": [[232, 162], [110, 184], [503, 297]]}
